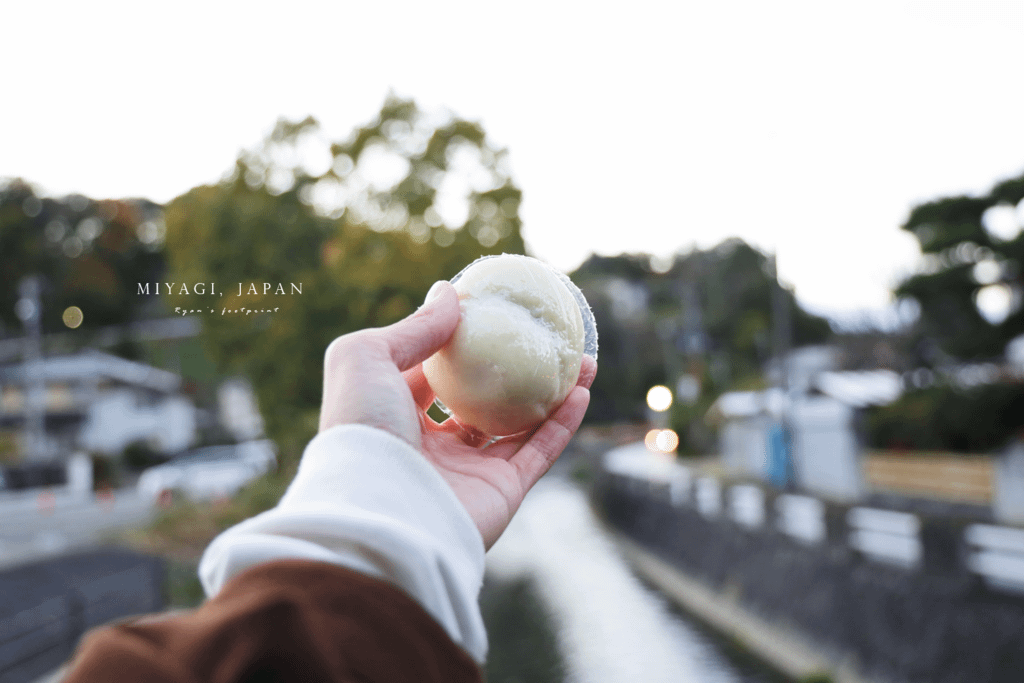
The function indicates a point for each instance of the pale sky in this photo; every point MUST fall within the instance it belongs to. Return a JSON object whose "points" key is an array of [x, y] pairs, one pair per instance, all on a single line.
{"points": [[807, 128]]}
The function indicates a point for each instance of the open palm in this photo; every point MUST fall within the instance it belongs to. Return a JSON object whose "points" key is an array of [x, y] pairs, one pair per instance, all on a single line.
{"points": [[375, 377]]}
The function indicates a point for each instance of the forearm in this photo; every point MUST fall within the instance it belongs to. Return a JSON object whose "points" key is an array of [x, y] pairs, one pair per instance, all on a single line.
{"points": [[366, 500]]}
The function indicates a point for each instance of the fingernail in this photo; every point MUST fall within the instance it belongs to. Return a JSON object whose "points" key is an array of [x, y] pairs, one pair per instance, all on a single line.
{"points": [[434, 292]]}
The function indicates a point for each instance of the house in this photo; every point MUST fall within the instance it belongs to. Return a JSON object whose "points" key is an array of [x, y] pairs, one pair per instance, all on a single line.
{"points": [[98, 403]]}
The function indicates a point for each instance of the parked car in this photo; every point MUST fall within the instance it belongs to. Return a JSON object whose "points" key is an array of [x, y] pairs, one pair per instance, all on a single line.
{"points": [[210, 472]]}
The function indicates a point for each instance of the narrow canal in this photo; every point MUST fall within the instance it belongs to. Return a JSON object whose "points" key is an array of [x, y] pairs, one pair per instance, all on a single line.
{"points": [[562, 606]]}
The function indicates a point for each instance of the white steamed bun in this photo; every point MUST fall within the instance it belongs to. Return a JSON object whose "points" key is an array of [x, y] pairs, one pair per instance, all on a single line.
{"points": [[516, 353]]}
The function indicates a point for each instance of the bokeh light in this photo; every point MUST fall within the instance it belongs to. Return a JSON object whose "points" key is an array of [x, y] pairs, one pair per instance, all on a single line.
{"points": [[667, 440], [661, 440], [659, 398], [987, 272], [651, 440], [1001, 222], [995, 303], [73, 316]]}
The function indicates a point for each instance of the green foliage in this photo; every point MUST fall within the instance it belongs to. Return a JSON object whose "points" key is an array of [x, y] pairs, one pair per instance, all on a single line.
{"points": [[183, 530], [91, 254], [139, 455], [182, 588], [735, 284], [952, 235], [817, 678], [106, 472], [582, 473], [630, 355], [524, 645], [943, 418], [728, 288], [365, 225]]}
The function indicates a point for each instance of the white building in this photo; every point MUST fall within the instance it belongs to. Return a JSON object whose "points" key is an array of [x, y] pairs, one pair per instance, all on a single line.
{"points": [[818, 408], [100, 403]]}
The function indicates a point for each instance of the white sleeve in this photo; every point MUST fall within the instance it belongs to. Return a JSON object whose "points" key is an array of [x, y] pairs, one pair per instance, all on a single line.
{"points": [[369, 501]]}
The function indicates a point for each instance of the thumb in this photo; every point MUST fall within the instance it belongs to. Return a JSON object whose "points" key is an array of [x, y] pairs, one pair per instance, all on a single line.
{"points": [[414, 339]]}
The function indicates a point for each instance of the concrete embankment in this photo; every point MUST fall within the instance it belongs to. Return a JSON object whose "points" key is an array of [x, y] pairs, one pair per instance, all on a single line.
{"points": [[785, 649]]}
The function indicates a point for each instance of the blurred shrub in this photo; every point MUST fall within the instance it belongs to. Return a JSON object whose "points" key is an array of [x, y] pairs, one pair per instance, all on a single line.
{"points": [[522, 633], [817, 678], [139, 455], [182, 588], [106, 472], [945, 418], [183, 530], [9, 447], [582, 473]]}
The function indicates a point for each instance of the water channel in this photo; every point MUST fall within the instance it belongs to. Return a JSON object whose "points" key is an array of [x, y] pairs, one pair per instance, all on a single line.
{"points": [[562, 606]]}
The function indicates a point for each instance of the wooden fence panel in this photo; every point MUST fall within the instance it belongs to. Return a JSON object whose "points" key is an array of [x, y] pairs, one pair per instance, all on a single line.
{"points": [[943, 476]]}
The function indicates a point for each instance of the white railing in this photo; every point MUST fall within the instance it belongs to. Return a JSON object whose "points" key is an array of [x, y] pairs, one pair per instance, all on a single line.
{"points": [[746, 506], [801, 518], [886, 535], [709, 497], [996, 554]]}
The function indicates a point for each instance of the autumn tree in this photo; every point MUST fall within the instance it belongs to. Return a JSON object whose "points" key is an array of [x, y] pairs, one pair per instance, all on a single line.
{"points": [[366, 225], [89, 253]]}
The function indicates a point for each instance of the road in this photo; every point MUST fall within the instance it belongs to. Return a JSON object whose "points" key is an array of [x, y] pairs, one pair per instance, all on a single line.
{"points": [[40, 524]]}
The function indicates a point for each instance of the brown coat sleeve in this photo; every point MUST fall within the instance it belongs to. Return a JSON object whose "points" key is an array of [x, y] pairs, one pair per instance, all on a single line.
{"points": [[290, 620]]}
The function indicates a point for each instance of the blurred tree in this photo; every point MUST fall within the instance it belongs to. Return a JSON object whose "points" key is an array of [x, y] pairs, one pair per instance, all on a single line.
{"points": [[970, 285], [708, 315], [91, 254], [630, 355], [365, 225], [735, 284]]}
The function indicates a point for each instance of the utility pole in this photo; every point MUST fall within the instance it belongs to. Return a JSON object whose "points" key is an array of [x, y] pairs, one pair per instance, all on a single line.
{"points": [[30, 309], [780, 465], [780, 326]]}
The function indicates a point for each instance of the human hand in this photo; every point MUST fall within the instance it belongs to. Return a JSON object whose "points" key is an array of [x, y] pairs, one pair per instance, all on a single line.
{"points": [[374, 377]]}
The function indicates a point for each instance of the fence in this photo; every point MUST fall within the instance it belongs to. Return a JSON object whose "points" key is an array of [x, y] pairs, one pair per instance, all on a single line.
{"points": [[994, 553], [958, 478], [908, 597]]}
